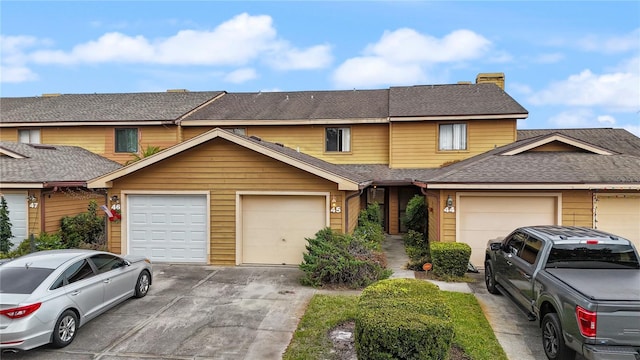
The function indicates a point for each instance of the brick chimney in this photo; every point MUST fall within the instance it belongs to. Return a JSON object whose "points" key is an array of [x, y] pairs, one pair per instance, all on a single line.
{"points": [[494, 78]]}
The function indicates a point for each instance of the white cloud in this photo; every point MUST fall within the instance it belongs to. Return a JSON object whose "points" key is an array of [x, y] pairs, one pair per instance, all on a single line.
{"points": [[614, 44], [634, 129], [241, 75], [315, 57], [606, 119], [402, 56], [16, 74], [373, 71], [573, 118], [12, 66], [616, 91], [236, 42]]}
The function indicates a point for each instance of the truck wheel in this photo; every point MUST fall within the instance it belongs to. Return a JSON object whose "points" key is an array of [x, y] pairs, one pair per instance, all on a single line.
{"points": [[553, 341], [490, 279]]}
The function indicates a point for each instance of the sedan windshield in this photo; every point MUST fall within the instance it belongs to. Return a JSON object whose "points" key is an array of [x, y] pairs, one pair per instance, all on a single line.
{"points": [[593, 256], [21, 280]]}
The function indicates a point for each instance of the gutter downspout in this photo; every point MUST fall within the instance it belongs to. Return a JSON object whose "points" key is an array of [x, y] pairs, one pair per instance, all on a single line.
{"points": [[423, 190], [346, 208]]}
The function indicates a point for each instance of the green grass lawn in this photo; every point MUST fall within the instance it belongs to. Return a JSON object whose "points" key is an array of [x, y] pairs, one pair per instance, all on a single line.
{"points": [[473, 334]]}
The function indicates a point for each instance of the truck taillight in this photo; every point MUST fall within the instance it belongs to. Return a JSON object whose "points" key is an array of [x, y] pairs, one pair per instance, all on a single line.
{"points": [[587, 322]]}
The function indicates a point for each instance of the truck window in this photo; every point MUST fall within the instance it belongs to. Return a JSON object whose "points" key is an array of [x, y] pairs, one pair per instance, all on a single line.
{"points": [[531, 249], [515, 243], [593, 256]]}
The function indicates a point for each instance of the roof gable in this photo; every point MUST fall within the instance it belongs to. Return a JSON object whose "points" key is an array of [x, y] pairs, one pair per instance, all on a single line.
{"points": [[344, 179], [557, 138]]}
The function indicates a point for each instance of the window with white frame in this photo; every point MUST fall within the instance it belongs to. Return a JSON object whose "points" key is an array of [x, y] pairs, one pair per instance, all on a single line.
{"points": [[126, 140], [29, 136], [452, 137], [338, 139]]}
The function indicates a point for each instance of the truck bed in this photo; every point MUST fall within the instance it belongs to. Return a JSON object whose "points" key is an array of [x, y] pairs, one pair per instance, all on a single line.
{"points": [[601, 284]]}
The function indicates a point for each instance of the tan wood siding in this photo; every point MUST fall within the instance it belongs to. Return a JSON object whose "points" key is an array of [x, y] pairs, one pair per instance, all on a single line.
{"points": [[101, 139], [354, 211], [415, 144], [433, 209], [34, 223], [61, 204], [394, 211], [577, 208], [555, 146], [448, 220], [9, 135], [369, 142], [222, 168]]}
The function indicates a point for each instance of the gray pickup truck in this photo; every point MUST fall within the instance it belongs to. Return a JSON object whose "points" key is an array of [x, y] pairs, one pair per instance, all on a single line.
{"points": [[581, 284]]}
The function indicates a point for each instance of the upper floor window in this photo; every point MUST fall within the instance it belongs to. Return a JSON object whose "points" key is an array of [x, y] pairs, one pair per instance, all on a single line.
{"points": [[338, 139], [453, 137], [29, 136], [127, 140]]}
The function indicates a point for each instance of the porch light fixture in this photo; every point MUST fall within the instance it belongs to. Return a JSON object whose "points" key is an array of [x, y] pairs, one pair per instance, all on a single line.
{"points": [[449, 208], [114, 198], [32, 198]]}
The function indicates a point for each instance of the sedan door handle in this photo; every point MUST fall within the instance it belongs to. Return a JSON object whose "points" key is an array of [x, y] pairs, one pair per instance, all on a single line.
{"points": [[74, 293], [106, 281]]}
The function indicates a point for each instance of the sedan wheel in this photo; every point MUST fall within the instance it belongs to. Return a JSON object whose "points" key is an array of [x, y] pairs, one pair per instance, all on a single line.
{"points": [[65, 330], [142, 285]]}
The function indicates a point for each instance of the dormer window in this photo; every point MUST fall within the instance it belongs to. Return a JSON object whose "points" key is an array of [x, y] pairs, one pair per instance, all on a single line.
{"points": [[338, 139], [452, 137], [126, 140]]}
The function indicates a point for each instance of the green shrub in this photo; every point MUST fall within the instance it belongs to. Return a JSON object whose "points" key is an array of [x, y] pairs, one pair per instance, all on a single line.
{"points": [[338, 259], [417, 249], [403, 319], [450, 258], [86, 228], [44, 241], [416, 215], [371, 214], [371, 234]]}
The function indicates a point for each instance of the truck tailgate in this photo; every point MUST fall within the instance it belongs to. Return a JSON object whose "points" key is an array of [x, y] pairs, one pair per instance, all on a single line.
{"points": [[617, 295], [602, 284]]}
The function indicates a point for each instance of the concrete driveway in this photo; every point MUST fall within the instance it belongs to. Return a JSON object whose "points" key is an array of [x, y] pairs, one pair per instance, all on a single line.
{"points": [[195, 312]]}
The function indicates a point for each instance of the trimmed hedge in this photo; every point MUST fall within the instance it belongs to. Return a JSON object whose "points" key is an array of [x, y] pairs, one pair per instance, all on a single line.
{"points": [[450, 258], [403, 319]]}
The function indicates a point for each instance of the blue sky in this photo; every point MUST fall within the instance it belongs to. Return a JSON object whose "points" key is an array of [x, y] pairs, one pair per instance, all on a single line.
{"points": [[571, 64]]}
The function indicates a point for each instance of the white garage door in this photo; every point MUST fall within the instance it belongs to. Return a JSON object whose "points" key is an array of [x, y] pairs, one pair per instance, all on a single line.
{"points": [[274, 228], [17, 206], [168, 228], [482, 218], [619, 215]]}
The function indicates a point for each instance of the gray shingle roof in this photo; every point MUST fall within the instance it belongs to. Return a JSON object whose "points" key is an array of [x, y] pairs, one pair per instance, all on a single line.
{"points": [[452, 100], [618, 140], [300, 105], [51, 163], [552, 167], [167, 106]]}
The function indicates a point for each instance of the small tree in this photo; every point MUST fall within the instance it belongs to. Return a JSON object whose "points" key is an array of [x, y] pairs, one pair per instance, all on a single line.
{"points": [[5, 227], [148, 151], [417, 238]]}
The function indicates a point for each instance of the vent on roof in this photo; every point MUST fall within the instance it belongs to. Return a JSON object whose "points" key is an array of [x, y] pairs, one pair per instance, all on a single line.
{"points": [[255, 138], [177, 90], [279, 144], [41, 146], [464, 82], [51, 95]]}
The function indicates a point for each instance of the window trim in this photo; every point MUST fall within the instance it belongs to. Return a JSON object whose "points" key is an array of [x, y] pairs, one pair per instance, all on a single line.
{"points": [[350, 136], [466, 136], [115, 140]]}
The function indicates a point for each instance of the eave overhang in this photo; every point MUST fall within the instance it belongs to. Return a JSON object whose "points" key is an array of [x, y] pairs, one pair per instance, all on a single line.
{"points": [[458, 117], [88, 123], [532, 186], [250, 122]]}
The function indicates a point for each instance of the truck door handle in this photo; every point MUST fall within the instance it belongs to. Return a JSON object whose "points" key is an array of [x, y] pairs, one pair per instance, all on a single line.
{"points": [[509, 263], [526, 276]]}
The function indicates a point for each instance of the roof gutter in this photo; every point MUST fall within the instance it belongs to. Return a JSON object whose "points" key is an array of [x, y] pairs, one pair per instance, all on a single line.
{"points": [[525, 186], [54, 184]]}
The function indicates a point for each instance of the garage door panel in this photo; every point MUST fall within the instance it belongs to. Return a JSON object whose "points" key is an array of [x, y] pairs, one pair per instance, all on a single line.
{"points": [[17, 206], [620, 215], [484, 218], [275, 227], [168, 227]]}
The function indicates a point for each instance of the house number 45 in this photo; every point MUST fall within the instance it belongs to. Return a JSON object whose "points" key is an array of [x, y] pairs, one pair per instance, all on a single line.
{"points": [[336, 209]]}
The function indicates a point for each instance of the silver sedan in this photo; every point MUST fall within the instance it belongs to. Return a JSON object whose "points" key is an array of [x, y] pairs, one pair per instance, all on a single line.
{"points": [[47, 295]]}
